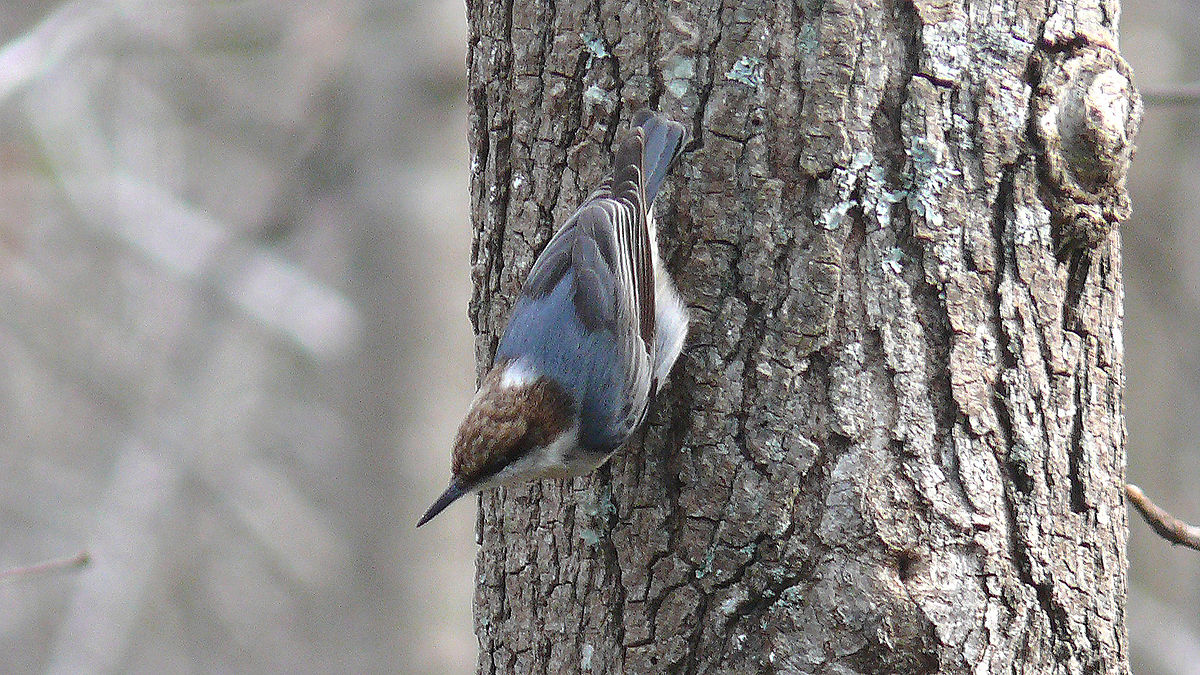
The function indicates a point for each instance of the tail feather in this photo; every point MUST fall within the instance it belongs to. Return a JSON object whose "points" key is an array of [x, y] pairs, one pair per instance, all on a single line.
{"points": [[664, 140]]}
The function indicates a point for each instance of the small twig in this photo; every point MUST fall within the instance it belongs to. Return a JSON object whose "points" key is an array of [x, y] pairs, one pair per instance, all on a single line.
{"points": [[1167, 526], [77, 561], [1171, 94]]}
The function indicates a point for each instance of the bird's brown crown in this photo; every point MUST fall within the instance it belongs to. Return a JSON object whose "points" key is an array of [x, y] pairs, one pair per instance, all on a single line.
{"points": [[505, 422]]}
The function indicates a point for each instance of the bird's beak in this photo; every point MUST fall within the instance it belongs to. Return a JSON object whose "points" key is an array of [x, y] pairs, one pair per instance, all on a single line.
{"points": [[452, 493]]}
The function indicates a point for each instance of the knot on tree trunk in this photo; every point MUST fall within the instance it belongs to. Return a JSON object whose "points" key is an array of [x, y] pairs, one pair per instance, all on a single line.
{"points": [[1086, 114]]}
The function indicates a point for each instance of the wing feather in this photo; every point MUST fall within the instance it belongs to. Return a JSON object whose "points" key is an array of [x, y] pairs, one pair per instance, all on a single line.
{"points": [[628, 191]]}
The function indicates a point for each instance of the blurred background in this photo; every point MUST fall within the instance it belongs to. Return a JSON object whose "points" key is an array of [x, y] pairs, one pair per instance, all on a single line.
{"points": [[1161, 40], [234, 270]]}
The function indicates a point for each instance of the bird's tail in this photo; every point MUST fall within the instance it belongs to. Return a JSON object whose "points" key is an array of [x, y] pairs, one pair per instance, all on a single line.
{"points": [[664, 139]]}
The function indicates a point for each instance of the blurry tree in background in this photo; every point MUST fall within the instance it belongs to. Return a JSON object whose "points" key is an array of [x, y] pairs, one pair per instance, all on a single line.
{"points": [[233, 282], [1162, 343]]}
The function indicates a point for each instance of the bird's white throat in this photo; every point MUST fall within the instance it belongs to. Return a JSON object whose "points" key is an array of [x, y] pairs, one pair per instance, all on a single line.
{"points": [[559, 459]]}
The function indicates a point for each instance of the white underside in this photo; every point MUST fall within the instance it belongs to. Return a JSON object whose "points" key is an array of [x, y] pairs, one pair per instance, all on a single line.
{"points": [[670, 314]]}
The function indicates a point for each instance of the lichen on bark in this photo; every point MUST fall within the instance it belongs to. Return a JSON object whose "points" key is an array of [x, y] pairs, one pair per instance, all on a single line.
{"points": [[894, 442]]}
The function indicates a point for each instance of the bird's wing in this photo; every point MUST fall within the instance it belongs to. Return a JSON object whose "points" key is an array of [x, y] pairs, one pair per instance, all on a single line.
{"points": [[628, 200], [604, 252], [605, 245]]}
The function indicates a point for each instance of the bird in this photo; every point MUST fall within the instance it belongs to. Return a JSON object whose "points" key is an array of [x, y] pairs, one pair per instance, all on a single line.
{"points": [[595, 331]]}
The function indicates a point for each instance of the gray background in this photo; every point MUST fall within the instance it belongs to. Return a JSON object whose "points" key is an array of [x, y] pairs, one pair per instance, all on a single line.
{"points": [[234, 268]]}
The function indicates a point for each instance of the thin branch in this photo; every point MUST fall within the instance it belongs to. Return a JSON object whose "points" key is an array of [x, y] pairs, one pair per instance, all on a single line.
{"points": [[75, 562], [1167, 526]]}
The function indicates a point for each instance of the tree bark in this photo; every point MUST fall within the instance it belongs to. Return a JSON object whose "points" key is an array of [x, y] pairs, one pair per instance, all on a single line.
{"points": [[894, 442]]}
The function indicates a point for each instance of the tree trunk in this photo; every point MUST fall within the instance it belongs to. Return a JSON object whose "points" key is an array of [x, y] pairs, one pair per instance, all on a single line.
{"points": [[894, 442]]}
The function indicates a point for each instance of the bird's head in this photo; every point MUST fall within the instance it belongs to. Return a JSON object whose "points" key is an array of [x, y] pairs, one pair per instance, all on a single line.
{"points": [[515, 423]]}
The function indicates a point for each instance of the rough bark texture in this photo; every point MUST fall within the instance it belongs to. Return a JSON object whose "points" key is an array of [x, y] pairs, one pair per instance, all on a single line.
{"points": [[894, 442]]}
